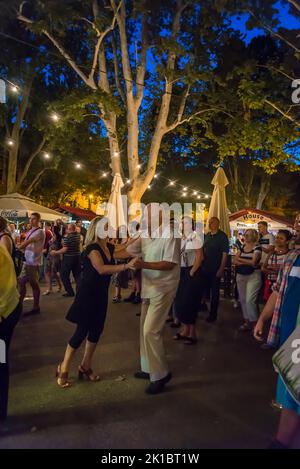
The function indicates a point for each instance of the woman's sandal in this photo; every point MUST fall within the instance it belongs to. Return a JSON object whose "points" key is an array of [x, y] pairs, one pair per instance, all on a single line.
{"points": [[87, 374], [62, 378], [179, 336], [190, 341]]}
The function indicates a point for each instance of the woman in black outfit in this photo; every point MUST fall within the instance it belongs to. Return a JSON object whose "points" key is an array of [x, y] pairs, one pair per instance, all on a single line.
{"points": [[90, 305]]}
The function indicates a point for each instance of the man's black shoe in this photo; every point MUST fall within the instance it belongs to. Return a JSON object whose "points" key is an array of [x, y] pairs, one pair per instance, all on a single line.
{"points": [[158, 386], [137, 299], [141, 375], [211, 319], [130, 298], [32, 312]]}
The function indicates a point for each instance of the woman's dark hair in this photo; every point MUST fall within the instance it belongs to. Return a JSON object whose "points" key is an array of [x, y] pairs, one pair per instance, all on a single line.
{"points": [[286, 233], [57, 233], [3, 224]]}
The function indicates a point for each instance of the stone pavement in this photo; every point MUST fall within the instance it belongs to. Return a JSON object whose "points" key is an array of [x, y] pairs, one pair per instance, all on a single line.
{"points": [[219, 397]]}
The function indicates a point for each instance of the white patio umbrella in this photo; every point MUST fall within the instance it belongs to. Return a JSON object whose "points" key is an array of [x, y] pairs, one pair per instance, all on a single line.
{"points": [[19, 206], [218, 205], [115, 208]]}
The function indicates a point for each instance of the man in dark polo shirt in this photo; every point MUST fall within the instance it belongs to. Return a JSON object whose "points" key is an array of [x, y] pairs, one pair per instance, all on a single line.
{"points": [[216, 248], [71, 258]]}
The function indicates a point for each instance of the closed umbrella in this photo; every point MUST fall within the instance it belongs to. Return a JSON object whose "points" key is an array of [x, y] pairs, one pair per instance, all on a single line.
{"points": [[115, 209], [218, 205]]}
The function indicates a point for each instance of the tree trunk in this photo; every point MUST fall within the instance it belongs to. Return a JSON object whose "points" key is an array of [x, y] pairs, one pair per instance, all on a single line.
{"points": [[264, 190]]}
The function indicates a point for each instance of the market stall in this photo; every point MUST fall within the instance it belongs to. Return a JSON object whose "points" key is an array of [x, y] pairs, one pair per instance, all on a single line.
{"points": [[249, 218]]}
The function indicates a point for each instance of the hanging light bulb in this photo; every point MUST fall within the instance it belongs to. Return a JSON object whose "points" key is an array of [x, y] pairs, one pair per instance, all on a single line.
{"points": [[54, 117], [172, 183], [198, 196], [184, 194], [195, 193], [139, 166], [78, 165], [10, 142], [128, 181], [104, 175], [206, 196], [184, 189], [14, 89], [116, 153], [149, 187], [47, 155], [155, 176]]}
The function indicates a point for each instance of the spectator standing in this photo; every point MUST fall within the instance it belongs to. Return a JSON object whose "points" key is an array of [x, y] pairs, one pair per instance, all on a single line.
{"points": [[82, 229], [266, 240], [13, 231], [283, 307], [53, 265], [71, 259], [186, 304], [216, 249], [6, 239], [33, 246], [248, 278], [10, 310], [275, 260]]}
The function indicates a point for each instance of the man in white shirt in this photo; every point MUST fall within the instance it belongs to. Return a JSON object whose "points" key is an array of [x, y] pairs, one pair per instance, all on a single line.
{"points": [[266, 240], [33, 249], [160, 264]]}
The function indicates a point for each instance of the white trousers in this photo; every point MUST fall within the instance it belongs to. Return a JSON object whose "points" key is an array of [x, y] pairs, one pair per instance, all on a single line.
{"points": [[153, 317], [248, 287]]}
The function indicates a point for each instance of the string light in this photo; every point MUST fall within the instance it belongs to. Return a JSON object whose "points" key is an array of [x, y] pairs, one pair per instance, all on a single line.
{"points": [[54, 117]]}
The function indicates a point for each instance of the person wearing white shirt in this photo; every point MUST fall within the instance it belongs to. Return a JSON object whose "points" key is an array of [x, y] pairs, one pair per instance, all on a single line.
{"points": [[185, 305], [159, 260], [266, 240]]}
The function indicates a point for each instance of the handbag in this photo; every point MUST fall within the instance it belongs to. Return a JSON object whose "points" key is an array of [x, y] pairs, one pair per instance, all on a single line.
{"points": [[286, 362]]}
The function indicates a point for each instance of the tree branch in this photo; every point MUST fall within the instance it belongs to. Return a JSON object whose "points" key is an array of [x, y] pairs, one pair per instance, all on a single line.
{"points": [[29, 162], [283, 113], [101, 36], [35, 181], [295, 4], [60, 48], [192, 116], [141, 68], [272, 32], [116, 69]]}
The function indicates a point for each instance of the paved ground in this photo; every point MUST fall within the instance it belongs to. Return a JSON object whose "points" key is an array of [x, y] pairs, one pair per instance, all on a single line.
{"points": [[219, 397]]}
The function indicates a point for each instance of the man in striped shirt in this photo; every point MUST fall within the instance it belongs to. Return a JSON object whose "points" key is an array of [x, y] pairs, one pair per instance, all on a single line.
{"points": [[71, 258]]}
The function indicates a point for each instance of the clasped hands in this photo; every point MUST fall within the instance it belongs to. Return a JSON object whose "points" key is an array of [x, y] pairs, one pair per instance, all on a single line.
{"points": [[136, 263]]}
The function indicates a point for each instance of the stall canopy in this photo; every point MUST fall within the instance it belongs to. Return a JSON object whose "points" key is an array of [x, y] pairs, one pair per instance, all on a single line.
{"points": [[19, 206], [249, 218], [76, 212]]}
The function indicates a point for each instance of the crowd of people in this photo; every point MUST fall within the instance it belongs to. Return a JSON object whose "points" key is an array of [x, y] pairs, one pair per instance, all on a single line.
{"points": [[173, 278]]}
